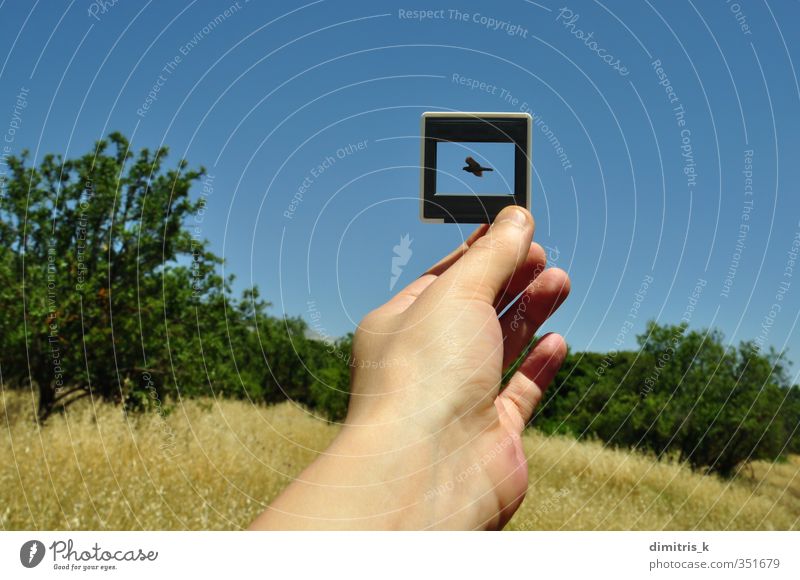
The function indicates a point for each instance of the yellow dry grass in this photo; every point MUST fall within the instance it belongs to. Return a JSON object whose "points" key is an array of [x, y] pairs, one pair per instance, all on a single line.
{"points": [[214, 465]]}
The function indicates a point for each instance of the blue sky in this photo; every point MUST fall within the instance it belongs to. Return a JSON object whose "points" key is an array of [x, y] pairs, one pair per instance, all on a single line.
{"points": [[647, 116]]}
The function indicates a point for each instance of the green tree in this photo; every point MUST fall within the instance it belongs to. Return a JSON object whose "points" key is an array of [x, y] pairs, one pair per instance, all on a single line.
{"points": [[684, 393], [107, 289]]}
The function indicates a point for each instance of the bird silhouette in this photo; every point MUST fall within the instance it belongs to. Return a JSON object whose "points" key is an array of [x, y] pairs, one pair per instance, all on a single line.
{"points": [[475, 168]]}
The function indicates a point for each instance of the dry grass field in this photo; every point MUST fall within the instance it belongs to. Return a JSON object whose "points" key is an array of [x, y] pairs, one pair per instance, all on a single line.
{"points": [[211, 465]]}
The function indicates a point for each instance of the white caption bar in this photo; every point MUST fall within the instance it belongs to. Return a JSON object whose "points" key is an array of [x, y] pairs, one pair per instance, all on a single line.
{"points": [[401, 555]]}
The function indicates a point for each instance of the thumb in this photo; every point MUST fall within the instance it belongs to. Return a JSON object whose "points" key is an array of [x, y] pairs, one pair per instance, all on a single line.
{"points": [[485, 268]]}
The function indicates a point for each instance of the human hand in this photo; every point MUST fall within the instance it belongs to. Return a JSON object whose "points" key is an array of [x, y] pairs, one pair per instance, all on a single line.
{"points": [[430, 440]]}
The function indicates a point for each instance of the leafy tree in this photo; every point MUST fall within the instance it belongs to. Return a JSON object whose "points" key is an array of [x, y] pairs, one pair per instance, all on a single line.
{"points": [[88, 244], [684, 393], [107, 290], [330, 390]]}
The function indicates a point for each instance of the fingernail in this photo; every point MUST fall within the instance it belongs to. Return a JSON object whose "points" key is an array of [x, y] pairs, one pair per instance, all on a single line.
{"points": [[513, 214]]}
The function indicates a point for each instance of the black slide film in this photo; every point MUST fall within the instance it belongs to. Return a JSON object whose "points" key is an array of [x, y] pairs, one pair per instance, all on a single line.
{"points": [[473, 165]]}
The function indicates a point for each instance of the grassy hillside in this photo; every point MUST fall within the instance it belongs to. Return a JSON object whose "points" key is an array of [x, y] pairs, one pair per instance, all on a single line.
{"points": [[210, 465]]}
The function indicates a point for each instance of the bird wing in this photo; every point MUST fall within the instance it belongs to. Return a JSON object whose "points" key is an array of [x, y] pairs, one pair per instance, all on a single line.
{"points": [[472, 163]]}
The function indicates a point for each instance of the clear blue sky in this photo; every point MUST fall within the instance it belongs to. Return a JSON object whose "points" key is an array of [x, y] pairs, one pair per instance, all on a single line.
{"points": [[645, 112]]}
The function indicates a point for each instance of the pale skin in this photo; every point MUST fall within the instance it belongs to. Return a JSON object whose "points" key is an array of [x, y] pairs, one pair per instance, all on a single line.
{"points": [[431, 441]]}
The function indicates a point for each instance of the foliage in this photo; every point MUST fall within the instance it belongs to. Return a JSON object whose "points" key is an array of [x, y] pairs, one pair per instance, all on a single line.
{"points": [[685, 393], [107, 289]]}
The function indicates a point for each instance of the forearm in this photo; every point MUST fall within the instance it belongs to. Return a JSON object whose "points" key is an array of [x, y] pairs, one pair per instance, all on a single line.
{"points": [[385, 478], [359, 482]]}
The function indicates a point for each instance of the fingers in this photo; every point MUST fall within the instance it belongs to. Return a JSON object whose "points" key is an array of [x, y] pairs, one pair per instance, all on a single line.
{"points": [[442, 265], [524, 275], [489, 262], [525, 389], [540, 299]]}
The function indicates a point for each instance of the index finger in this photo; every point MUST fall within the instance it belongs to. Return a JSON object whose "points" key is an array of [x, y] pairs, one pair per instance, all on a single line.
{"points": [[483, 270], [442, 265]]}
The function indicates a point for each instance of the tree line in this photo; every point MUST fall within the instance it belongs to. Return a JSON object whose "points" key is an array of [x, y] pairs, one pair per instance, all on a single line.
{"points": [[108, 290], [684, 393]]}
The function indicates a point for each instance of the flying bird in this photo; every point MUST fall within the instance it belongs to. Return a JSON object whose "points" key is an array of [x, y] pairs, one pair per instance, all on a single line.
{"points": [[475, 168]]}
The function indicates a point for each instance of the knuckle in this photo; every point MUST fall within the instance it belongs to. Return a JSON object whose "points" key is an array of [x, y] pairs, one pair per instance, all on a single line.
{"points": [[491, 243], [368, 324]]}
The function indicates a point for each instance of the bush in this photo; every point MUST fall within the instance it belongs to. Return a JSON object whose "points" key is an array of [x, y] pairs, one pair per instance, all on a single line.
{"points": [[683, 392]]}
